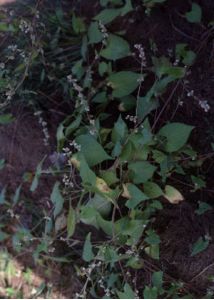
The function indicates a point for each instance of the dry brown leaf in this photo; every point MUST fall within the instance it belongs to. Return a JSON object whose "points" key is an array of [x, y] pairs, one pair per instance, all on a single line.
{"points": [[173, 195]]}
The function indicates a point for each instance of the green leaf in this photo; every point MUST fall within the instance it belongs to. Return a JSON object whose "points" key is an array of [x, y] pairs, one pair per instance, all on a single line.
{"points": [[127, 103], [123, 83], [116, 48], [157, 279], [150, 292], [72, 126], [37, 175], [109, 176], [84, 47], [141, 171], [135, 263], [78, 24], [153, 251], [60, 222], [78, 69], [195, 15], [203, 207], [136, 196], [128, 293], [87, 175], [199, 183], [152, 237], [110, 255], [7, 27], [162, 66], [100, 98], [91, 149], [6, 119], [158, 156], [88, 215], [2, 163], [106, 226], [60, 137], [127, 8], [113, 2], [120, 131], [71, 222], [199, 246], [152, 190], [102, 68], [2, 195], [176, 134], [145, 106], [3, 236], [101, 204], [187, 56], [131, 229], [88, 254], [107, 15], [17, 194], [57, 199], [151, 3], [94, 34]]}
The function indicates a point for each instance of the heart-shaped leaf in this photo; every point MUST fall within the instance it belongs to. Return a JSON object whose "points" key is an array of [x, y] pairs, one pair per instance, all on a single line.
{"points": [[176, 135], [194, 16], [91, 149], [123, 83], [116, 48]]}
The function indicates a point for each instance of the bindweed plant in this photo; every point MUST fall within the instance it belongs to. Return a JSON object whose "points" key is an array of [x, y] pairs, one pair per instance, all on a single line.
{"points": [[115, 160]]}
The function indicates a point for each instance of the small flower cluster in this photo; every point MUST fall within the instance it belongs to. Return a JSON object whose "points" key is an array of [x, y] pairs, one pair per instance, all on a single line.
{"points": [[12, 48], [67, 181], [25, 26], [108, 292], [2, 66], [75, 145], [67, 151], [101, 282], [91, 267], [141, 55], [37, 15], [51, 250], [170, 52], [202, 103], [12, 214], [82, 101], [132, 252], [141, 79], [89, 74], [44, 127], [93, 129], [9, 93], [104, 32], [131, 118], [190, 93], [176, 62]]}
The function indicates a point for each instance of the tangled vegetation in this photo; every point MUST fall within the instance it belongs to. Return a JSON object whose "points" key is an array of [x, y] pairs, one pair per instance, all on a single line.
{"points": [[115, 161]]}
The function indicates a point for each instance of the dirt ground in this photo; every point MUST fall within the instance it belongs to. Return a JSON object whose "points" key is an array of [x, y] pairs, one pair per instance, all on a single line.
{"points": [[179, 227]]}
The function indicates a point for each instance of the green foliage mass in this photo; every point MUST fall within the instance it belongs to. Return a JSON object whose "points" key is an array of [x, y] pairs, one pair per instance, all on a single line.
{"points": [[119, 164]]}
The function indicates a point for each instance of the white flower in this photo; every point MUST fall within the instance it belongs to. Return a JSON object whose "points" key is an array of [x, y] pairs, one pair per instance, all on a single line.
{"points": [[2, 65], [142, 55], [204, 105]]}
